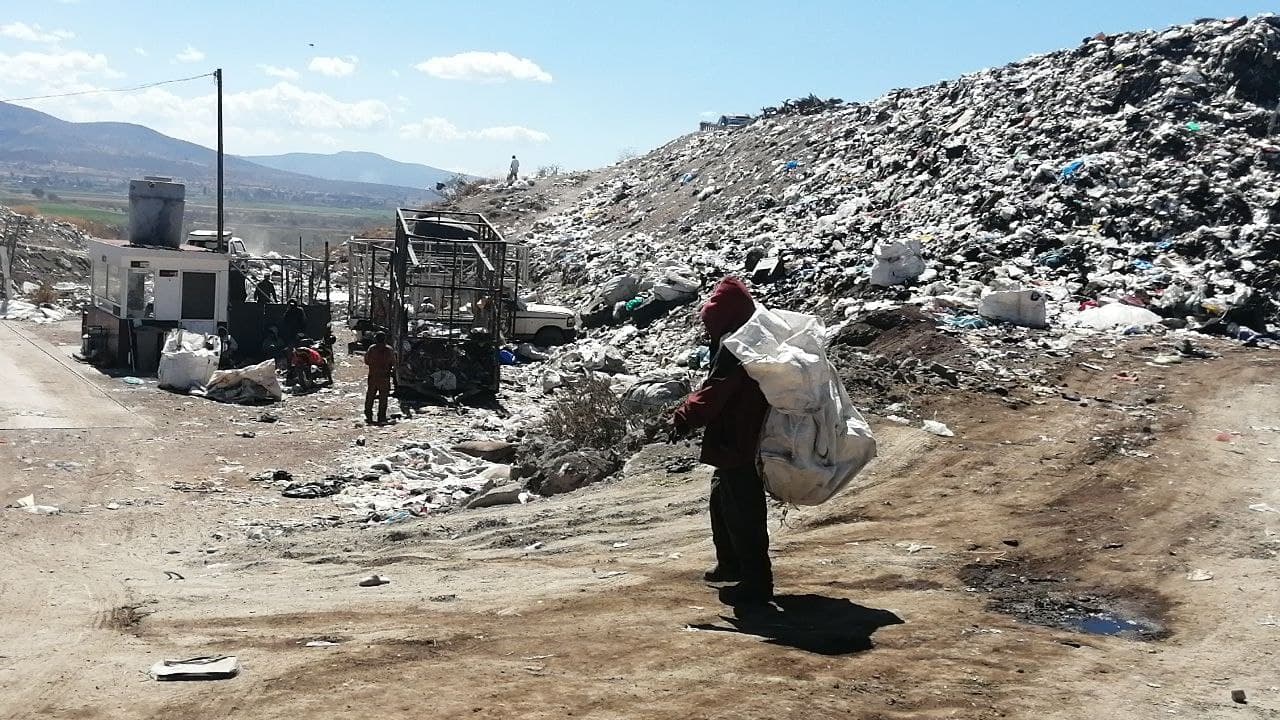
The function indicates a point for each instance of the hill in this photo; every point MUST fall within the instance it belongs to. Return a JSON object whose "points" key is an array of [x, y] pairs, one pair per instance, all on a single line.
{"points": [[361, 166], [1135, 166], [39, 149]]}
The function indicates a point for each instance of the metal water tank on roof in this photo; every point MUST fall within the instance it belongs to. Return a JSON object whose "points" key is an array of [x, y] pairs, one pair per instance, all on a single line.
{"points": [[156, 207]]}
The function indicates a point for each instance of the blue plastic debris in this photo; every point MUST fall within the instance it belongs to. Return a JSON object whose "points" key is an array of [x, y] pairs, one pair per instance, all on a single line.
{"points": [[1143, 265], [968, 322], [133, 381], [1072, 169], [792, 165], [1052, 259], [506, 357]]}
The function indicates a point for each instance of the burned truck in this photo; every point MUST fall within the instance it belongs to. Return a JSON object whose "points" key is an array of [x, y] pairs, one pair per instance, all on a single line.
{"points": [[450, 299], [447, 290]]}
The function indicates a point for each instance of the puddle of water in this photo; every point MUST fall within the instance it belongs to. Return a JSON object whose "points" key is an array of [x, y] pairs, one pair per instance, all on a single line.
{"points": [[1109, 625]]}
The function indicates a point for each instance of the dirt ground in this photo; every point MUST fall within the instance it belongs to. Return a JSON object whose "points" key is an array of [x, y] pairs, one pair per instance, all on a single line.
{"points": [[957, 584]]}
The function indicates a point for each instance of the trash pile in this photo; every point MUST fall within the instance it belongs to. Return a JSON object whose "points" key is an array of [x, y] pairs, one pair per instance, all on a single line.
{"points": [[416, 479], [47, 250], [1136, 169]]}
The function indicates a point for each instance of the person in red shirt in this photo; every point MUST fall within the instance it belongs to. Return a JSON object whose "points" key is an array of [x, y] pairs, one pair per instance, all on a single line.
{"points": [[305, 366], [731, 407], [381, 360]]}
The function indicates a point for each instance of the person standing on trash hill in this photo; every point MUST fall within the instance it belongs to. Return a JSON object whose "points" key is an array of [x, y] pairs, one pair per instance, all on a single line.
{"points": [[514, 173], [732, 408], [381, 360]]}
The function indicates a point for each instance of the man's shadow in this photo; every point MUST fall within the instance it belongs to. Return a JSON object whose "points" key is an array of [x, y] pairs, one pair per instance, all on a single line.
{"points": [[813, 623]]}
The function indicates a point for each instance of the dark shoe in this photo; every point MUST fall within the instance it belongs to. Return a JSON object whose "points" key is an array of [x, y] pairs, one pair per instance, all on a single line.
{"points": [[719, 574], [740, 595]]}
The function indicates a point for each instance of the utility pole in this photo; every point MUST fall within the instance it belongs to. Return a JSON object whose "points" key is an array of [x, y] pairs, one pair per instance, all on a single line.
{"points": [[222, 243]]}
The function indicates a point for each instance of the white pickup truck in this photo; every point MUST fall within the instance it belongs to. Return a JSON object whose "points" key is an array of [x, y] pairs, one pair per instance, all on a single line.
{"points": [[544, 325]]}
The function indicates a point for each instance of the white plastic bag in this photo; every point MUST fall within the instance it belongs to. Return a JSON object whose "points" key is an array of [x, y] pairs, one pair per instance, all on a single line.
{"points": [[814, 441], [186, 362], [897, 263]]}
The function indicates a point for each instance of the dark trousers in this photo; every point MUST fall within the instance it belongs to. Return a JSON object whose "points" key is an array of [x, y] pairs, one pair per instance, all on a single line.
{"points": [[380, 392], [739, 525]]}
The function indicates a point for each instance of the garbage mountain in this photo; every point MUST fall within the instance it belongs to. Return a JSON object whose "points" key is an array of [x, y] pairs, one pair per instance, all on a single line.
{"points": [[1137, 167]]}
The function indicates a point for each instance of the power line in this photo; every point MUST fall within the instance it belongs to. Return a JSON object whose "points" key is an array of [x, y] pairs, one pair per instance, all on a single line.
{"points": [[107, 90]]}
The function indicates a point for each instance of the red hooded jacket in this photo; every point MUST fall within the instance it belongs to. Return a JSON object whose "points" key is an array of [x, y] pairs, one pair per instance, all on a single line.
{"points": [[729, 404]]}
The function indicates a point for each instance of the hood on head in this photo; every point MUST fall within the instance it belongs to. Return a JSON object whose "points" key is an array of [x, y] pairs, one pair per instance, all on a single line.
{"points": [[728, 308]]}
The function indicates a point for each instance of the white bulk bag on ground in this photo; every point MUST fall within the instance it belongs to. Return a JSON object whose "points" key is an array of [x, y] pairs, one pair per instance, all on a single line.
{"points": [[1020, 307], [814, 441], [247, 385], [185, 362]]}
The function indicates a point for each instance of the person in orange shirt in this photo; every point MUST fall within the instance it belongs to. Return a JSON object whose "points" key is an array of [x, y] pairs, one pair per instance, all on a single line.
{"points": [[381, 360]]}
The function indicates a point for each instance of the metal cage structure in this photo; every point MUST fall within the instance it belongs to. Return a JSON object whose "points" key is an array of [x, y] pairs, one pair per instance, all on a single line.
{"points": [[369, 285], [450, 272]]}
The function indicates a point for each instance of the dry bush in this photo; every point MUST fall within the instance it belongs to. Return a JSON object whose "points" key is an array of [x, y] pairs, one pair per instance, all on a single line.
{"points": [[28, 210], [587, 413], [548, 171], [46, 295]]}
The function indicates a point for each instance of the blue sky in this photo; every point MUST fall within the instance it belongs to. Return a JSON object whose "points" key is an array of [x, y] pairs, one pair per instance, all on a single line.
{"points": [[463, 85]]}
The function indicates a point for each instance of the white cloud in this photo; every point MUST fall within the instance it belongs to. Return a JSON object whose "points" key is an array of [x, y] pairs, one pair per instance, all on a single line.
{"points": [[395, 73], [438, 129], [284, 73], [513, 133], [308, 109], [52, 72], [34, 33], [433, 129], [189, 55], [334, 66], [141, 51], [483, 67]]}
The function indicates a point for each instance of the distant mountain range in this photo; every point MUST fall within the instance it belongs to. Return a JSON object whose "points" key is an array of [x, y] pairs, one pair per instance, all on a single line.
{"points": [[361, 166], [40, 149]]}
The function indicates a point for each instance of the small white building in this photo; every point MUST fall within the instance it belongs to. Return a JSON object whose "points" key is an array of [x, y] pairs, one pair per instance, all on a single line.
{"points": [[141, 291]]}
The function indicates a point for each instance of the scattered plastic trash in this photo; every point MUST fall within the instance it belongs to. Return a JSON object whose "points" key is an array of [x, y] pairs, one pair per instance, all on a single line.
{"points": [[1193, 126], [28, 504], [373, 581], [936, 428], [215, 667], [1262, 507], [133, 381], [1072, 168], [1199, 575]]}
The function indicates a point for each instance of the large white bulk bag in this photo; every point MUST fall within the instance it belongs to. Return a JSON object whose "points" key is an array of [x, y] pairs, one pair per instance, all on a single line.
{"points": [[814, 441], [185, 362]]}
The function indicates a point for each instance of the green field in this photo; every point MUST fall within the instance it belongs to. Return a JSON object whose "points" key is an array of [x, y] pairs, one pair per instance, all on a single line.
{"points": [[265, 226]]}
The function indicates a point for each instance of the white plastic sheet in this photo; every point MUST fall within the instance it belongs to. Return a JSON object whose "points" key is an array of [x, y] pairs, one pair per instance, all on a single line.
{"points": [[814, 441], [187, 363], [1116, 316]]}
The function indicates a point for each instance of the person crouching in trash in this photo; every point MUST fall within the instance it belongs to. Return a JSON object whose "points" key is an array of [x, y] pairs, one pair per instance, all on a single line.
{"points": [[731, 407]]}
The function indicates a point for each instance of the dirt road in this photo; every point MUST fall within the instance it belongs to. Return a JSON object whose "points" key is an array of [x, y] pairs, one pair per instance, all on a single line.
{"points": [[955, 586], [42, 389]]}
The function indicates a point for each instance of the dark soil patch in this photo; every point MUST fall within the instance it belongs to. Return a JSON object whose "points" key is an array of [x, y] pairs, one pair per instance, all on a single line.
{"points": [[1043, 597]]}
